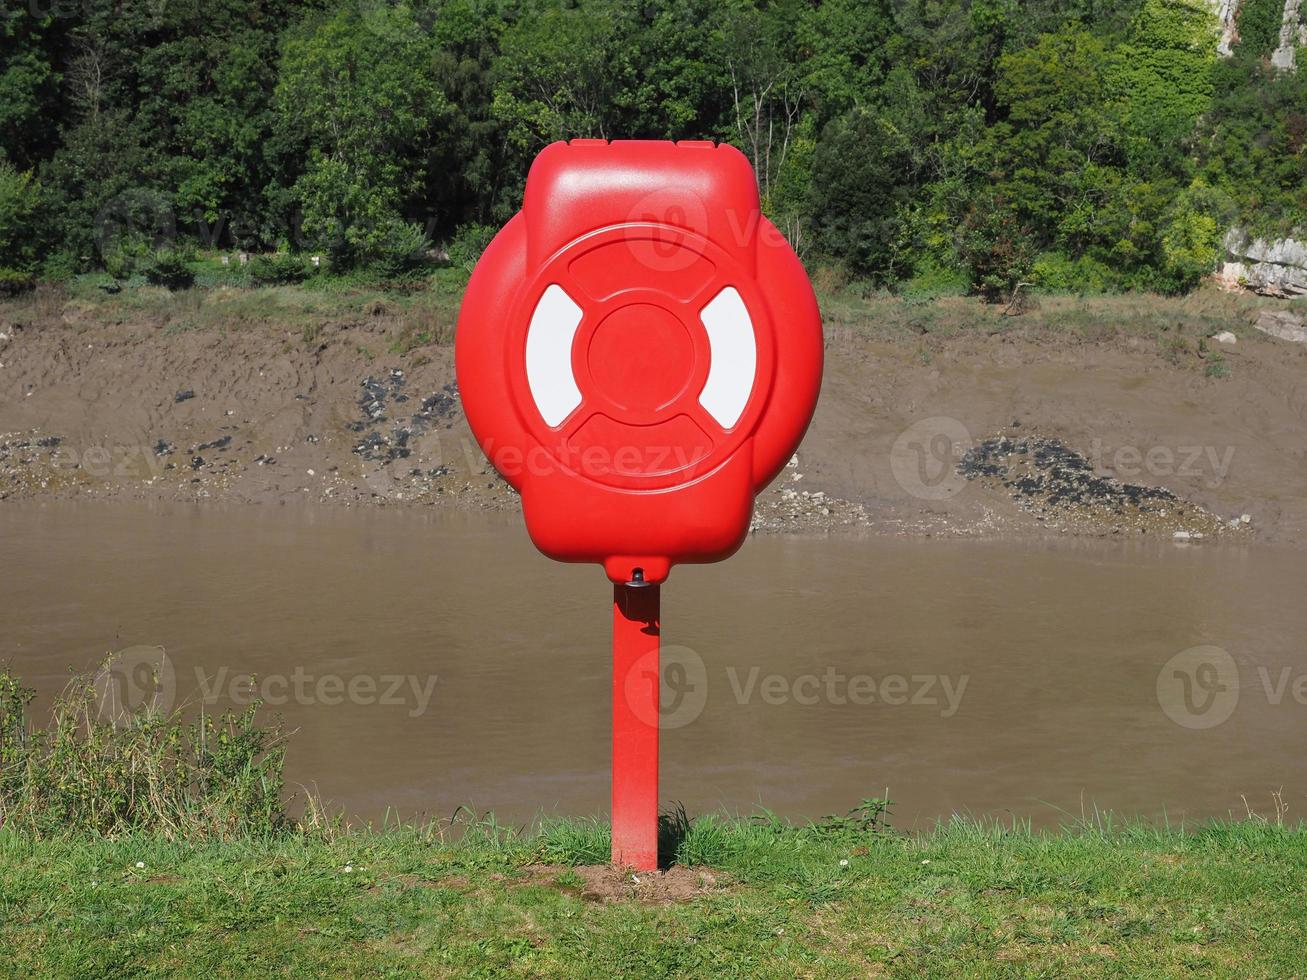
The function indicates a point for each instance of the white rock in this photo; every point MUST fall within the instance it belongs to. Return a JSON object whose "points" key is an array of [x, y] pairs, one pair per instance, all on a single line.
{"points": [[1227, 17], [1181, 535], [1278, 267], [1293, 32], [1283, 324], [1245, 518], [1225, 337]]}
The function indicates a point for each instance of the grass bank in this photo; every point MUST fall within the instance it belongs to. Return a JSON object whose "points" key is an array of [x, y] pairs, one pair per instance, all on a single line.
{"points": [[424, 310], [1223, 900], [133, 843]]}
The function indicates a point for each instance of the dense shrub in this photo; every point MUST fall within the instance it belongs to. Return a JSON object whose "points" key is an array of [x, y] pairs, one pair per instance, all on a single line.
{"points": [[278, 269], [13, 282], [19, 204], [88, 773], [1054, 272], [401, 251], [169, 269], [468, 243]]}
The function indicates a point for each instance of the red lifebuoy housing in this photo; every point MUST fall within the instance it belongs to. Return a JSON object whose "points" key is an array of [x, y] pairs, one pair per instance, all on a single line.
{"points": [[639, 353]]}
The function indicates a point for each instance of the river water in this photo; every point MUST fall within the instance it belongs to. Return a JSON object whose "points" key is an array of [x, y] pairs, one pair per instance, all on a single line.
{"points": [[428, 660]]}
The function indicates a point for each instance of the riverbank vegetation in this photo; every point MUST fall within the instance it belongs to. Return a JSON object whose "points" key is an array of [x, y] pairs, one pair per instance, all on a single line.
{"points": [[917, 146], [408, 316], [98, 878]]}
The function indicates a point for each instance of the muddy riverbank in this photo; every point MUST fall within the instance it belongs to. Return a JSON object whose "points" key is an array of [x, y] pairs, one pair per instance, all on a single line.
{"points": [[1105, 488], [1088, 417]]}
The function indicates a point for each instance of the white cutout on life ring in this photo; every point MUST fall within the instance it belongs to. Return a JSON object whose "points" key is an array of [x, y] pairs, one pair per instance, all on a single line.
{"points": [[549, 355], [734, 357]]}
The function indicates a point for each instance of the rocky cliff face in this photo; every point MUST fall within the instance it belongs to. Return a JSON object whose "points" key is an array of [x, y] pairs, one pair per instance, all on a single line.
{"points": [[1279, 267], [1272, 268], [1227, 15], [1293, 32]]}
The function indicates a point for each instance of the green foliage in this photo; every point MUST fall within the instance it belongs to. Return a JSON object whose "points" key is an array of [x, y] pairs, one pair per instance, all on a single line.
{"points": [[997, 248], [1091, 145], [278, 269], [1163, 74], [13, 282], [468, 243], [168, 268], [857, 178], [558, 75], [1259, 27], [931, 280], [1056, 273], [29, 83], [90, 774], [1191, 240], [359, 97], [20, 198], [401, 252], [1255, 151]]}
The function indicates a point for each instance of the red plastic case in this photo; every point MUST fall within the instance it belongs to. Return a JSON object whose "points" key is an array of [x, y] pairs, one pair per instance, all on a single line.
{"points": [[639, 353]]}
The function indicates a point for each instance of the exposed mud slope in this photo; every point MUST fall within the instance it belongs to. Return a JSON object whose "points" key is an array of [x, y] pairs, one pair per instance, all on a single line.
{"points": [[891, 431], [266, 414]]}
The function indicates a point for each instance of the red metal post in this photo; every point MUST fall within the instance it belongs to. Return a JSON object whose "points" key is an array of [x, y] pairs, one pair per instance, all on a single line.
{"points": [[635, 726]]}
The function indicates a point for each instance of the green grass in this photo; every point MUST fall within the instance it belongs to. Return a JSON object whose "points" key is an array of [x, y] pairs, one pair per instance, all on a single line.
{"points": [[1222, 900], [143, 843], [422, 310], [413, 314], [146, 844], [1094, 318]]}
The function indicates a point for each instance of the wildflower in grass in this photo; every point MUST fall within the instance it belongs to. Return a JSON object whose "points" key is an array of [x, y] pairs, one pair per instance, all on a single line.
{"points": [[349, 869], [844, 862]]}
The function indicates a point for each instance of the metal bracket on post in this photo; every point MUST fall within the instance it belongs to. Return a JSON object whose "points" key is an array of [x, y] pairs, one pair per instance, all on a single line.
{"points": [[635, 725]]}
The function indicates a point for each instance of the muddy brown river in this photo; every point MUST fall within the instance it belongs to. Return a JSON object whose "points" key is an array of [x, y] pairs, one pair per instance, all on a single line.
{"points": [[429, 660]]}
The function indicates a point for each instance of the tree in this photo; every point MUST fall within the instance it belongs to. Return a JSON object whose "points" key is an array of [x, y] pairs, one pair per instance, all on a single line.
{"points": [[19, 200], [361, 99], [557, 71], [29, 87], [859, 182]]}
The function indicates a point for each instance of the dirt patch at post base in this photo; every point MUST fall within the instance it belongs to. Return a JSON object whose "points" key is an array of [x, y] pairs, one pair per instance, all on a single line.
{"points": [[605, 883]]}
